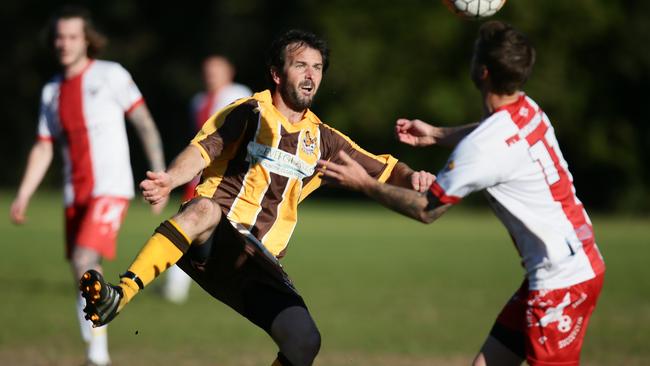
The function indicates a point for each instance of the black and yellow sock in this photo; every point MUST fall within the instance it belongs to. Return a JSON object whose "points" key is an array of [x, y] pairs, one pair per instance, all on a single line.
{"points": [[161, 251], [282, 360]]}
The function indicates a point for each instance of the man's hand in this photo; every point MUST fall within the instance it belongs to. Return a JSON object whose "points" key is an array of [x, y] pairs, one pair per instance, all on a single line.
{"points": [[158, 208], [415, 132], [18, 210], [422, 180], [349, 174], [156, 188]]}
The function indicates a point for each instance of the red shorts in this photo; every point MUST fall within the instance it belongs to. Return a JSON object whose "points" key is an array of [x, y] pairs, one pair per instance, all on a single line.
{"points": [[95, 224], [547, 327]]}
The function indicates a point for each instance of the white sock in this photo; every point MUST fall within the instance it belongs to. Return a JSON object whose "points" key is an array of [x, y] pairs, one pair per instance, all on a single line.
{"points": [[98, 346], [96, 339], [84, 325], [177, 285]]}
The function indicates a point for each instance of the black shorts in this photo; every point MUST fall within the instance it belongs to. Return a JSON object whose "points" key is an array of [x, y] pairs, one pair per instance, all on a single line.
{"points": [[238, 274]]}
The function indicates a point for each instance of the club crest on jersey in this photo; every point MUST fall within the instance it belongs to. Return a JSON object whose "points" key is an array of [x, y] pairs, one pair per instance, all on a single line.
{"points": [[308, 143], [450, 165]]}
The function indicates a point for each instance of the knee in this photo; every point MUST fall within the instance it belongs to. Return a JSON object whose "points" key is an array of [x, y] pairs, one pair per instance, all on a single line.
{"points": [[305, 345], [310, 344], [84, 259], [202, 213], [206, 209]]}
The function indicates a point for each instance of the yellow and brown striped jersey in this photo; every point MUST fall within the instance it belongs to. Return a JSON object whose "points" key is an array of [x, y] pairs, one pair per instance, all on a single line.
{"points": [[259, 166]]}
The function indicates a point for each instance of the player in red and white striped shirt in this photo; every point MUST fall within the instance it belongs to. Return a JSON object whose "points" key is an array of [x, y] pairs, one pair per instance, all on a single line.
{"points": [[83, 108], [514, 157]]}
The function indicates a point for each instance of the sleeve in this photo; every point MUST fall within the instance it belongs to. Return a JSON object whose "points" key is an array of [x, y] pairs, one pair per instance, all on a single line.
{"points": [[44, 130], [127, 94], [222, 130], [377, 166], [469, 169]]}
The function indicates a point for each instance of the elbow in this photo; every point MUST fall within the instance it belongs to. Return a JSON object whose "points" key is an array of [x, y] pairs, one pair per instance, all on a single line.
{"points": [[425, 217], [44, 149]]}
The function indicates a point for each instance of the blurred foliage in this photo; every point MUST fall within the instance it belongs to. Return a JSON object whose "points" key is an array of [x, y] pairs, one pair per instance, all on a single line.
{"points": [[389, 60]]}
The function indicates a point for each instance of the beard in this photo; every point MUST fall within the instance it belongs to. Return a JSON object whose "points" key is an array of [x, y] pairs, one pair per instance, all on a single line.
{"points": [[293, 98]]}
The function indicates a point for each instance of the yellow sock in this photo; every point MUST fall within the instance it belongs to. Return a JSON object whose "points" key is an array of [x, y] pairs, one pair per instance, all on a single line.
{"points": [[162, 250]]}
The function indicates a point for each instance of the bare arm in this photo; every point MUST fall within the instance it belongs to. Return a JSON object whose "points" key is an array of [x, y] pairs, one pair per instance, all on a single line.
{"points": [[146, 129], [419, 133], [403, 176], [423, 207], [451, 136], [40, 158], [400, 176], [157, 186]]}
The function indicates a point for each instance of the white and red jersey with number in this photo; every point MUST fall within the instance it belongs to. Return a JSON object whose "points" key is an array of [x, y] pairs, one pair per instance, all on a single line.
{"points": [[514, 156], [85, 114]]}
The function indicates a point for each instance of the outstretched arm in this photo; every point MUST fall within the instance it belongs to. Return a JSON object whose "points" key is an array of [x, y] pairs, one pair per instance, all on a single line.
{"points": [[157, 186], [38, 162], [419, 133], [146, 129], [405, 177], [422, 206]]}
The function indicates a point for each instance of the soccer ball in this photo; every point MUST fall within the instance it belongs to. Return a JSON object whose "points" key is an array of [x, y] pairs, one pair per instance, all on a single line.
{"points": [[474, 8]]}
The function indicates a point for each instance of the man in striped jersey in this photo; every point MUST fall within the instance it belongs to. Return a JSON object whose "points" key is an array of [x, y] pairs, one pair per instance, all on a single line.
{"points": [[513, 156], [258, 158], [83, 108]]}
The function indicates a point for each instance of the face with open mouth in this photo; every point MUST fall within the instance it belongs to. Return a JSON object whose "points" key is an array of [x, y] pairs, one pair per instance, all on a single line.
{"points": [[302, 74]]}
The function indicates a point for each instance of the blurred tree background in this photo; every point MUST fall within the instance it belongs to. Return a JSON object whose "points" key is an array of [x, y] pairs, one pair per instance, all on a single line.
{"points": [[389, 59]]}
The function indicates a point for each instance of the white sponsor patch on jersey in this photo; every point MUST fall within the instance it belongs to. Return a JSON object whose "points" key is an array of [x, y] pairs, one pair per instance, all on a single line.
{"points": [[278, 161]]}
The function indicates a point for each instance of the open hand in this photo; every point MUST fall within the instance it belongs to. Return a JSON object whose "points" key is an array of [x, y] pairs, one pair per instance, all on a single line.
{"points": [[349, 174], [18, 210], [156, 188], [157, 208], [415, 132], [422, 180]]}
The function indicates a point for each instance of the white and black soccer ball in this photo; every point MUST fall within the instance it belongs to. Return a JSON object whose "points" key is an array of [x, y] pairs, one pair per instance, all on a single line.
{"points": [[474, 8]]}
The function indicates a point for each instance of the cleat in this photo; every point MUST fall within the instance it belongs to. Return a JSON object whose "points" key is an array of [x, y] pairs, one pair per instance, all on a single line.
{"points": [[102, 298]]}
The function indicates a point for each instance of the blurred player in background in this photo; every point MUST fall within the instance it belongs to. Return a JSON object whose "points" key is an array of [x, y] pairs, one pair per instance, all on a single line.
{"points": [[220, 90], [513, 156], [258, 157], [83, 108]]}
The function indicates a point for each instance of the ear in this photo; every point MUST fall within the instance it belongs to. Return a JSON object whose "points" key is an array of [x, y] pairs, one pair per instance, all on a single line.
{"points": [[484, 73], [275, 75]]}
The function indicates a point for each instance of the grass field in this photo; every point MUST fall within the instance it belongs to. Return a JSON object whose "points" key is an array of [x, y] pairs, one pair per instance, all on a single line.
{"points": [[384, 291]]}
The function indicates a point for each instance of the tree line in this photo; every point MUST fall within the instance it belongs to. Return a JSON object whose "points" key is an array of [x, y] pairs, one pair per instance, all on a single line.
{"points": [[389, 59]]}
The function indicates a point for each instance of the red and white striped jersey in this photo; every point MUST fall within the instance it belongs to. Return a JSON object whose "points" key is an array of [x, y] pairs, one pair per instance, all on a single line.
{"points": [[86, 115], [514, 156]]}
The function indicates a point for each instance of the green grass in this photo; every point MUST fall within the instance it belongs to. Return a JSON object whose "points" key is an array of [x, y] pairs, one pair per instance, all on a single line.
{"points": [[384, 290]]}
